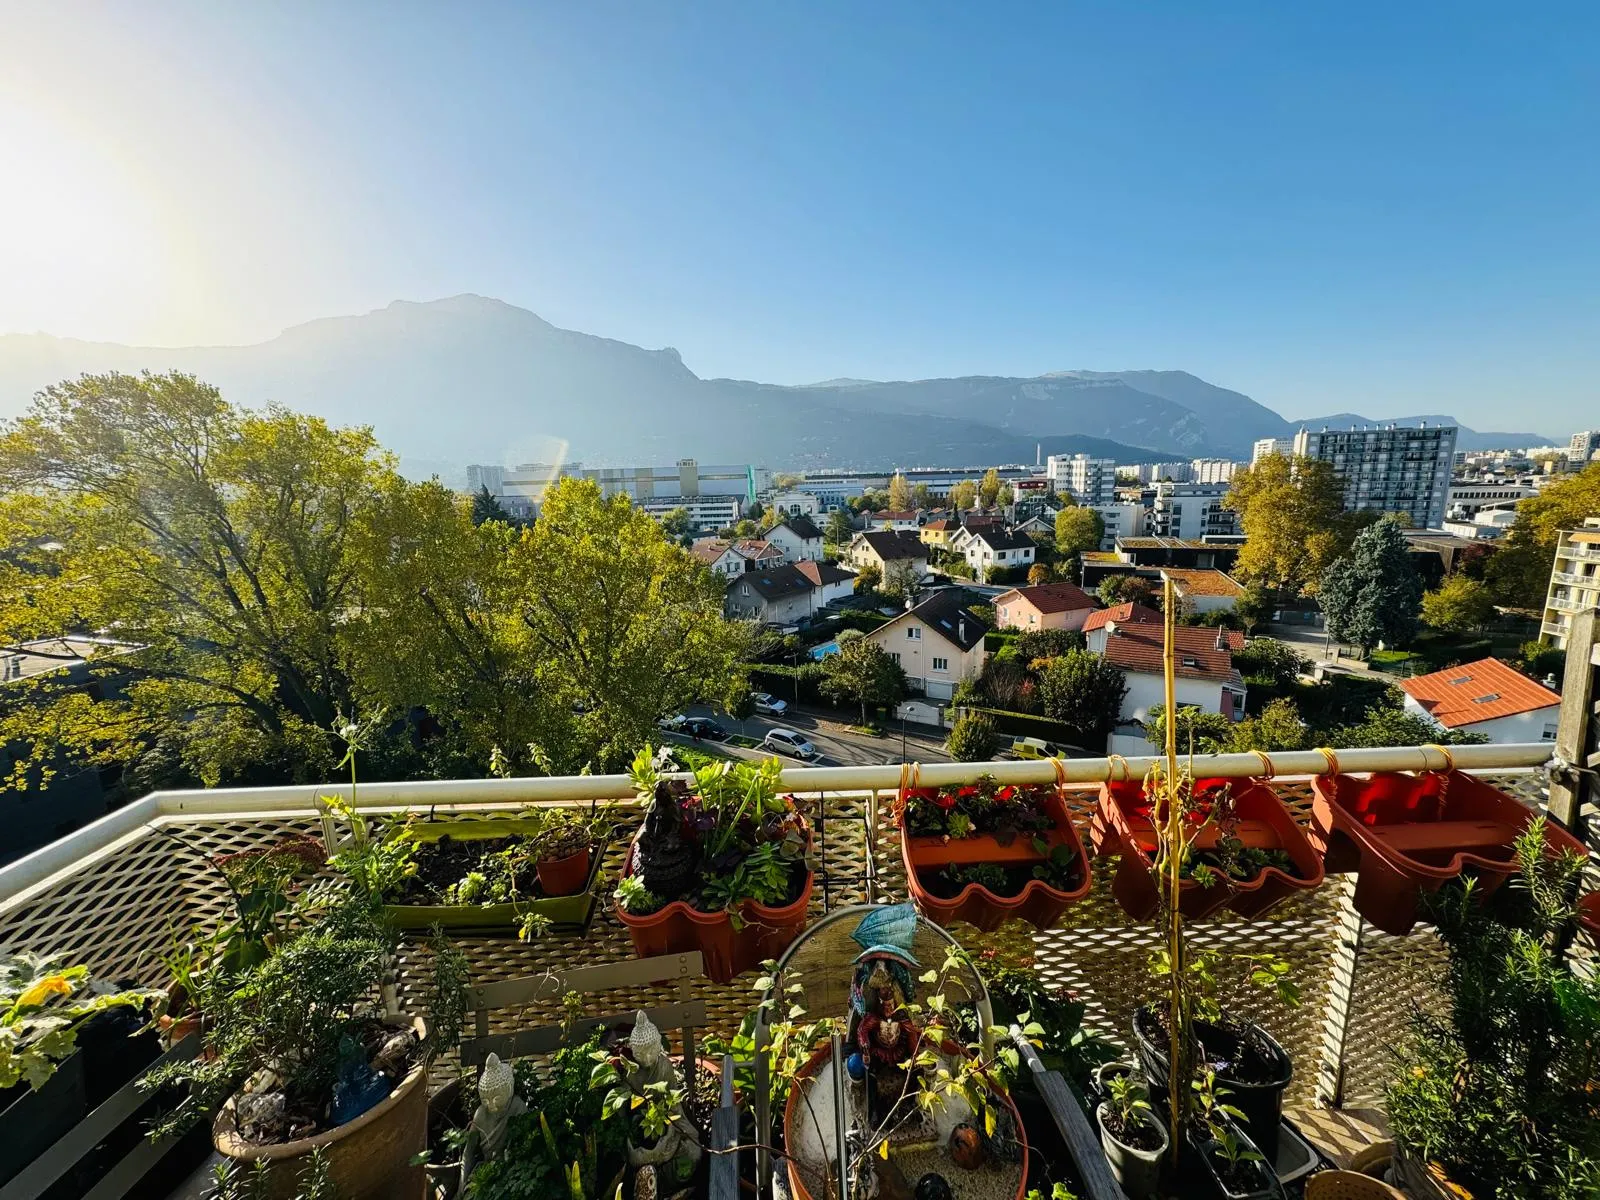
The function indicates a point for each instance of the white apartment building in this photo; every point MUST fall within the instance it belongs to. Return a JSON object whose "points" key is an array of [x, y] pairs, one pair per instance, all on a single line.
{"points": [[1395, 468], [1266, 447], [1574, 581], [1190, 511], [1087, 480], [685, 484], [1122, 520], [1466, 496], [1178, 472], [794, 503], [1583, 445], [1211, 470]]}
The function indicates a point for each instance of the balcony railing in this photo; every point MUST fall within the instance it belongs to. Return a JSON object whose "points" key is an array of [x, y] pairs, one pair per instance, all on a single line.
{"points": [[112, 894]]}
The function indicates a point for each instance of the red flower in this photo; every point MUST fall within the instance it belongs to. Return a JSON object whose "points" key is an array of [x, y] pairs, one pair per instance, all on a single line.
{"points": [[946, 800]]}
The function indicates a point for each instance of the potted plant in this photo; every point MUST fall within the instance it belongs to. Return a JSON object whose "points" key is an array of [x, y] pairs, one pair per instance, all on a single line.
{"points": [[1407, 835], [984, 853], [485, 874], [723, 867], [46, 1011], [302, 1056], [1233, 1167], [1246, 851], [1495, 1096], [1133, 1139]]}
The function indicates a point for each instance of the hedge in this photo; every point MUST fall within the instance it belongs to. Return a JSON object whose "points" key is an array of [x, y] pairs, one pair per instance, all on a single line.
{"points": [[1020, 725]]}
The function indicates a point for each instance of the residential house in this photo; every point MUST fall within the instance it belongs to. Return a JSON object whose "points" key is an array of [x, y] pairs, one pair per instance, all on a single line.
{"points": [[889, 519], [1179, 552], [758, 554], [1203, 591], [995, 548], [794, 503], [1486, 697], [1037, 524], [937, 642], [798, 538], [936, 534], [1204, 674], [730, 559], [881, 548], [1044, 606], [1098, 625], [785, 594]]}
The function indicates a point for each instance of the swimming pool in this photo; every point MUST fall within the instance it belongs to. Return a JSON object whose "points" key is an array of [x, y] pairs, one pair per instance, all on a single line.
{"points": [[821, 652]]}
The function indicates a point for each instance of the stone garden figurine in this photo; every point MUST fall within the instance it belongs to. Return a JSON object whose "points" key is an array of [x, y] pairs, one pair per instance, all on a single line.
{"points": [[498, 1102]]}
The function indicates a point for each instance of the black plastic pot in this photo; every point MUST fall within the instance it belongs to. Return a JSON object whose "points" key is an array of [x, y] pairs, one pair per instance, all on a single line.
{"points": [[1204, 1169], [34, 1121], [1261, 1103]]}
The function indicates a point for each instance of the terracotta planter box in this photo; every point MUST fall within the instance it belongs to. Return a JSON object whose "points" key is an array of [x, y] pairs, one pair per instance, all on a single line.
{"points": [[570, 911], [680, 927], [1408, 834], [797, 1187], [1037, 903], [1120, 827], [369, 1158], [1589, 913]]}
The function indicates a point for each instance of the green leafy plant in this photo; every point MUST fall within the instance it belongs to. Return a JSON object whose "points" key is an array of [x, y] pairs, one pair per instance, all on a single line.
{"points": [[43, 1007], [1501, 1088], [636, 899]]}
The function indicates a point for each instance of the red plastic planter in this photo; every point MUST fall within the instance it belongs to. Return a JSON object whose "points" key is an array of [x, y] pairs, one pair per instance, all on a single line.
{"points": [[819, 1058], [680, 927], [564, 876], [1123, 827], [1589, 913], [1408, 834], [1037, 903]]}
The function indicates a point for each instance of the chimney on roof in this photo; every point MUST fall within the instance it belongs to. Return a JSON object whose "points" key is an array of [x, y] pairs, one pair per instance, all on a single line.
{"points": [[1222, 638]]}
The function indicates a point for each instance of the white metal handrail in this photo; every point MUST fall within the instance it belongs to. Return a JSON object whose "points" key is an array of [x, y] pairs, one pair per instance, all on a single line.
{"points": [[94, 841]]}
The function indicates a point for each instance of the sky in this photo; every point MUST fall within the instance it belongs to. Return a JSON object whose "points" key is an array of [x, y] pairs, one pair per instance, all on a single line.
{"points": [[1371, 207]]}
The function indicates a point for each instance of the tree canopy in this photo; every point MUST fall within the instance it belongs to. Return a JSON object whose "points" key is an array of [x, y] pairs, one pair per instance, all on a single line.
{"points": [[899, 493], [1078, 529], [963, 495], [840, 528], [1458, 605], [989, 487], [1083, 691], [1519, 573], [864, 673], [1292, 512], [1374, 593]]}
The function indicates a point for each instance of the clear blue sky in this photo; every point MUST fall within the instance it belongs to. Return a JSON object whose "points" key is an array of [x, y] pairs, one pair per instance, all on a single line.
{"points": [[1380, 207]]}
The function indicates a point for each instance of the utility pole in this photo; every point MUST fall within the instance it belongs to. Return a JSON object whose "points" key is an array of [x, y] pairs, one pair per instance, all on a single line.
{"points": [[1578, 730]]}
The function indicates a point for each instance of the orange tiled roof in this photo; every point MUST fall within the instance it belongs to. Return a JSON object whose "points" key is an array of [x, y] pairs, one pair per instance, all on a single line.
{"points": [[1052, 597], [708, 550], [1139, 648], [1128, 613], [1477, 691]]}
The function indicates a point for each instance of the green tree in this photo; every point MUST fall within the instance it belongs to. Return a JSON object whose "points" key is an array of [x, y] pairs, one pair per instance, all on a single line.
{"points": [[1276, 663], [921, 496], [486, 506], [1037, 574], [840, 529], [1519, 573], [755, 511], [864, 673], [1254, 605], [741, 706], [1121, 589], [989, 487], [625, 629], [973, 738], [900, 580], [1035, 644], [869, 578], [1458, 605], [215, 544], [1085, 692], [1277, 727], [1005, 496], [1374, 594], [677, 524], [963, 495], [1292, 511], [1393, 726], [899, 493], [1078, 529]]}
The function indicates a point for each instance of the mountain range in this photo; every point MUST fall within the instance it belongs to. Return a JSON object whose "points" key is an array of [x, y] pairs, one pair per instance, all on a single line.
{"points": [[470, 379]]}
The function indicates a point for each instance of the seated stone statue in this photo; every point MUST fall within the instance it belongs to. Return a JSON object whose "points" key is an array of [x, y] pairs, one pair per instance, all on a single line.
{"points": [[498, 1102]]}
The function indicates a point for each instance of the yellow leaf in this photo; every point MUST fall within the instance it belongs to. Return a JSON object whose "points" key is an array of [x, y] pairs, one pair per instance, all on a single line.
{"points": [[50, 985], [883, 1149], [988, 1121]]}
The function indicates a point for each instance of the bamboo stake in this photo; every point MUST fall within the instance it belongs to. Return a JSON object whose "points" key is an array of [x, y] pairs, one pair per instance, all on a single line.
{"points": [[1177, 1073]]}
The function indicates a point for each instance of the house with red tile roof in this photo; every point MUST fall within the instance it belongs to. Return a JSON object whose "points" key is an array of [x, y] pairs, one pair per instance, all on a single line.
{"points": [[1485, 697], [1129, 612], [1204, 674], [1044, 606]]}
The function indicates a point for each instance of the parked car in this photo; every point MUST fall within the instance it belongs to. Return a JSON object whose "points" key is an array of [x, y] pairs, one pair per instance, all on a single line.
{"points": [[786, 741], [704, 727], [769, 705], [1032, 747]]}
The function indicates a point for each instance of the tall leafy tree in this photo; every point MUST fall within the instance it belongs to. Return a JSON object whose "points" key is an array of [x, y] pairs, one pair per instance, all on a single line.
{"points": [[989, 487], [1292, 511], [486, 506], [1519, 574], [922, 496], [1254, 605], [1083, 691], [1458, 605], [623, 629], [963, 495], [213, 544], [900, 580], [899, 493], [677, 524], [1078, 529], [1120, 589], [864, 673], [1374, 593], [840, 529]]}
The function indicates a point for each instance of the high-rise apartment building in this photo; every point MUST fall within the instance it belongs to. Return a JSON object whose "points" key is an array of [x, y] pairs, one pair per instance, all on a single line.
{"points": [[1269, 446], [1211, 470], [1191, 511], [1574, 580], [1583, 445], [1398, 469], [1087, 480], [712, 495]]}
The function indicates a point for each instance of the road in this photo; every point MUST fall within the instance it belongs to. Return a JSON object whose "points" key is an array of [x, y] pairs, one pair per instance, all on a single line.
{"points": [[836, 744]]}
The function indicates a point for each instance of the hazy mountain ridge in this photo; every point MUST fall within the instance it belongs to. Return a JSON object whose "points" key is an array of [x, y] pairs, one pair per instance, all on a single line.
{"points": [[470, 379]]}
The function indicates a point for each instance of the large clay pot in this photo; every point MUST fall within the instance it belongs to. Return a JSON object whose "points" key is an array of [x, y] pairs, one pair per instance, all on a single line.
{"points": [[1122, 826], [1409, 834], [1037, 903], [369, 1158], [564, 876], [679, 928]]}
